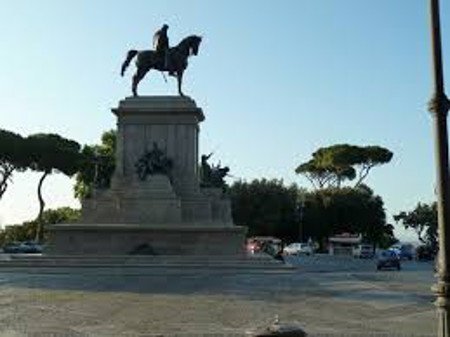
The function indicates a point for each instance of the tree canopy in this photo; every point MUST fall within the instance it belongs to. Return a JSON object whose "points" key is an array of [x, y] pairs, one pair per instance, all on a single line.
{"points": [[266, 207], [97, 165], [27, 230], [355, 210], [333, 165], [49, 152], [14, 156], [423, 220], [269, 208]]}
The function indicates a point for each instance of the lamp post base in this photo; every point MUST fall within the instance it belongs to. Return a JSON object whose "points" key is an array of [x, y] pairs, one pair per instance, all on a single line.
{"points": [[442, 303]]}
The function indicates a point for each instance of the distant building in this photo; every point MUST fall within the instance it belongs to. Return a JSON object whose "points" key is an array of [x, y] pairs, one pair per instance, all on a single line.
{"points": [[344, 244]]}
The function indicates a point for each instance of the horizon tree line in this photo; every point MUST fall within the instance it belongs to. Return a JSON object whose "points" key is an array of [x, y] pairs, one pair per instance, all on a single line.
{"points": [[265, 206]]}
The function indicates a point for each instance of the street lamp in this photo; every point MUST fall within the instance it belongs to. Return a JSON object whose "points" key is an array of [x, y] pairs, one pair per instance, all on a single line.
{"points": [[439, 106]]}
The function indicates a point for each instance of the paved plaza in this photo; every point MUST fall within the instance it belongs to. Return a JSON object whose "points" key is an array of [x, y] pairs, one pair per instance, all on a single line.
{"points": [[328, 297]]}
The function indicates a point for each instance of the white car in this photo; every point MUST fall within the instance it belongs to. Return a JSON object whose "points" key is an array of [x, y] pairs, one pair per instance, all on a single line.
{"points": [[298, 248], [363, 251]]}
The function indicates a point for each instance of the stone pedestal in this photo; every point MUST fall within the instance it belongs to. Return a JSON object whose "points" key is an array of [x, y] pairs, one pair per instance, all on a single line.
{"points": [[169, 213], [171, 122], [139, 202], [123, 239]]}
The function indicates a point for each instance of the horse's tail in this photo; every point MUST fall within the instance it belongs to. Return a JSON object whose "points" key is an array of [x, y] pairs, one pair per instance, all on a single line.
{"points": [[131, 53]]}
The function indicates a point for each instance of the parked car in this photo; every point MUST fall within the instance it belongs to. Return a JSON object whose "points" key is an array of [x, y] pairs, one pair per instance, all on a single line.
{"points": [[252, 247], [26, 247], [396, 250], [298, 248], [29, 247], [11, 248], [363, 251], [388, 259], [266, 244], [405, 251]]}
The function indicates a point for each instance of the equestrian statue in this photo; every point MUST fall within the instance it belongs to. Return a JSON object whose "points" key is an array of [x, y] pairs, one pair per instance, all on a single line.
{"points": [[163, 58]]}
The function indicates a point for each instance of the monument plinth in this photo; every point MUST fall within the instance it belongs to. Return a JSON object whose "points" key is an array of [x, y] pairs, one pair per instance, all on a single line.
{"points": [[155, 199]]}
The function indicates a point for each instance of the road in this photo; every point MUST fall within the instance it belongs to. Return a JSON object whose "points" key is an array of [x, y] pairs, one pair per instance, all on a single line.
{"points": [[328, 297]]}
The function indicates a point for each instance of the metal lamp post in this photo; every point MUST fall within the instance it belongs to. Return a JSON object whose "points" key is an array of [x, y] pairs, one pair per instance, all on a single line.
{"points": [[439, 106]]}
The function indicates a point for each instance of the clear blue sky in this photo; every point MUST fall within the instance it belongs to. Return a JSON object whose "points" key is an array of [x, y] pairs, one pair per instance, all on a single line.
{"points": [[276, 80]]}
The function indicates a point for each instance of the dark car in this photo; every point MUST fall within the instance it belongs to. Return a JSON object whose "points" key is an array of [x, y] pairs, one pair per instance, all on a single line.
{"points": [[406, 251], [388, 259], [30, 247], [266, 244], [26, 247], [12, 248]]}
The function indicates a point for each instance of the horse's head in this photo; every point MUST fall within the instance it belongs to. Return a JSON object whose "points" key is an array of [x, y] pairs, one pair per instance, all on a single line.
{"points": [[195, 44], [190, 44]]}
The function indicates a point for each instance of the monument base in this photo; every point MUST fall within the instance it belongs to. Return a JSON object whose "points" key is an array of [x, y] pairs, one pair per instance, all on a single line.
{"points": [[125, 239], [162, 212]]}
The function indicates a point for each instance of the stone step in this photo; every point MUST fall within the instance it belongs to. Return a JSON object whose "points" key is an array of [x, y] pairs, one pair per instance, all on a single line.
{"points": [[142, 270], [134, 263], [144, 259], [100, 263], [155, 262]]}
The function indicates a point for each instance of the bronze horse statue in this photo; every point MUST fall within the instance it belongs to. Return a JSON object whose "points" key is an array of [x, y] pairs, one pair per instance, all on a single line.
{"points": [[149, 59]]}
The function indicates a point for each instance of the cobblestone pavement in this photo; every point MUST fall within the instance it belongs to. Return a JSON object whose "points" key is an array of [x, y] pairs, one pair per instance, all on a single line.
{"points": [[344, 298]]}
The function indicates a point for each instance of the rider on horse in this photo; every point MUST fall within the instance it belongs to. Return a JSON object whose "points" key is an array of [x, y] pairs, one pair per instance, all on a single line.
{"points": [[161, 45], [150, 59]]}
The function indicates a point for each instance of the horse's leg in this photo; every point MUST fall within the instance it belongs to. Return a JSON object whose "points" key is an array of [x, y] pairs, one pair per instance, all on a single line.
{"points": [[180, 81], [137, 77]]}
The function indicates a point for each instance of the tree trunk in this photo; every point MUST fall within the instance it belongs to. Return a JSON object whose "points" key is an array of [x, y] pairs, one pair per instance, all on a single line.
{"points": [[5, 175], [40, 226], [362, 175], [3, 186]]}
